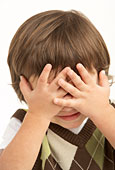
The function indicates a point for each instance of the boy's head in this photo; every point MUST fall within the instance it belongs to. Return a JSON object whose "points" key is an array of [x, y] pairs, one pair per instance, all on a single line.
{"points": [[61, 38]]}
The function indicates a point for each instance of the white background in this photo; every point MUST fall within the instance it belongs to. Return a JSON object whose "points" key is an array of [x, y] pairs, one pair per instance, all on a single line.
{"points": [[13, 13]]}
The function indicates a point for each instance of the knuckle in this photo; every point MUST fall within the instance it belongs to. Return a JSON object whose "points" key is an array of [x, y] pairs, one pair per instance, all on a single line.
{"points": [[72, 90], [41, 80], [73, 76], [78, 83], [64, 85]]}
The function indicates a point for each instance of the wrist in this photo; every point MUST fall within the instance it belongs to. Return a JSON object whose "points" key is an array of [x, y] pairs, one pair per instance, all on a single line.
{"points": [[102, 114], [105, 122], [37, 119]]}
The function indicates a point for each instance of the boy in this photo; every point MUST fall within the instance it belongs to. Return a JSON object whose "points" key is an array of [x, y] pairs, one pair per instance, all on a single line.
{"points": [[54, 135]]}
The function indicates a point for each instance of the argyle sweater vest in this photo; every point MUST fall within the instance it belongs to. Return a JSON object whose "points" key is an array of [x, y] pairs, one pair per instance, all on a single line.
{"points": [[89, 150]]}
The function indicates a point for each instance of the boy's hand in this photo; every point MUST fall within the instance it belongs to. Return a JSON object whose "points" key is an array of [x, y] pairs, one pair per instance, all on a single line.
{"points": [[40, 99], [89, 98]]}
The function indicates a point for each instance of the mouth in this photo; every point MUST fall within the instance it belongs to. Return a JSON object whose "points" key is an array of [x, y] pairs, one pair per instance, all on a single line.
{"points": [[70, 117]]}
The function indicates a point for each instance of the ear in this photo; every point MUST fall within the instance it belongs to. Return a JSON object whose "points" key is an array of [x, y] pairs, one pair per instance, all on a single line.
{"points": [[33, 82], [25, 86]]}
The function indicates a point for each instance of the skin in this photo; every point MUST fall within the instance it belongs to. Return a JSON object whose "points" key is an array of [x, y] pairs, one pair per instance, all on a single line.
{"points": [[67, 109], [91, 99], [42, 93], [66, 122], [85, 91], [23, 150], [86, 96]]}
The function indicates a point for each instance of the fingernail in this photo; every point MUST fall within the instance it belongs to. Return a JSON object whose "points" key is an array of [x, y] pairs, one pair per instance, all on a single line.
{"points": [[48, 66], [103, 71], [55, 100], [79, 65]]}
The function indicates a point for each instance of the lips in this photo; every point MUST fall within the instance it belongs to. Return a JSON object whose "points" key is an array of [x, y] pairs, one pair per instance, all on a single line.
{"points": [[69, 117]]}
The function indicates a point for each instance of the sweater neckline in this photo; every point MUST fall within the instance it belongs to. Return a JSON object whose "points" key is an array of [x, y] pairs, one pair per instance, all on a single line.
{"points": [[78, 129], [76, 139]]}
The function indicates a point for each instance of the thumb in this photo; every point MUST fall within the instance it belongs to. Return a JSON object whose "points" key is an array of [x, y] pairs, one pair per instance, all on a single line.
{"points": [[103, 80], [25, 87]]}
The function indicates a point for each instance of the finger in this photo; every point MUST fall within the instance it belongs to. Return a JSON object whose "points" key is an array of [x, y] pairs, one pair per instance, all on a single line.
{"points": [[84, 74], [69, 88], [103, 80], [63, 102], [25, 87], [61, 92], [79, 84], [43, 78], [63, 74]]}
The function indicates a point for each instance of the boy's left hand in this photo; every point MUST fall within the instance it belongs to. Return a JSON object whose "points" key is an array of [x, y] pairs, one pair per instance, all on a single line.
{"points": [[88, 96]]}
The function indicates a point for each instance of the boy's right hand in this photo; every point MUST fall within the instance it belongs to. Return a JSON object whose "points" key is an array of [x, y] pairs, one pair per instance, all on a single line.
{"points": [[40, 99]]}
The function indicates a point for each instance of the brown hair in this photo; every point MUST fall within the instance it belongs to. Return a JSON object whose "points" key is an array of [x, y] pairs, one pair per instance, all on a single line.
{"points": [[61, 38]]}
